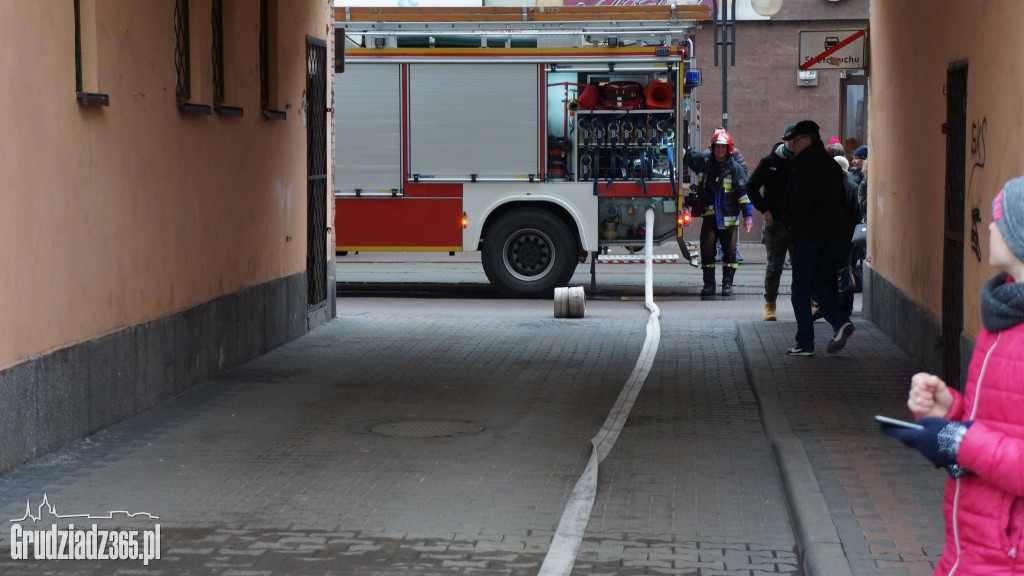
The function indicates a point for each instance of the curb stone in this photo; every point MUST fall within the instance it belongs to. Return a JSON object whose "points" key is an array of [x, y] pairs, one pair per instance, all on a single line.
{"points": [[816, 535]]}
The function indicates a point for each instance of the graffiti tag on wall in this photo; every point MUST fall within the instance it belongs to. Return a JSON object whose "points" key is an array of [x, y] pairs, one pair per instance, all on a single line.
{"points": [[978, 152]]}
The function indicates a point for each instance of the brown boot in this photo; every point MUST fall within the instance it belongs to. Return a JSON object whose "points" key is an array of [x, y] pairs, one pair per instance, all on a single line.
{"points": [[769, 311]]}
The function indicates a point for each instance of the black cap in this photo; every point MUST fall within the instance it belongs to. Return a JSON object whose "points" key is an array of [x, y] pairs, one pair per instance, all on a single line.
{"points": [[788, 132], [802, 127]]}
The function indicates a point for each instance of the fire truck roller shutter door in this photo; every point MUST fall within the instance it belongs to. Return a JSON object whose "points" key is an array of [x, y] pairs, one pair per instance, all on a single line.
{"points": [[454, 131], [528, 252], [368, 123]]}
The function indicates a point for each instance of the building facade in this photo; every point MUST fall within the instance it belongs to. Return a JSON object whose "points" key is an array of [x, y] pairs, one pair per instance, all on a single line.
{"points": [[945, 135], [160, 214], [764, 93]]}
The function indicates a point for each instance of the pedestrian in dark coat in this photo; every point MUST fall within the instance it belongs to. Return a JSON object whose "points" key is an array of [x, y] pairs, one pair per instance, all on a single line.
{"points": [[772, 173], [815, 217]]}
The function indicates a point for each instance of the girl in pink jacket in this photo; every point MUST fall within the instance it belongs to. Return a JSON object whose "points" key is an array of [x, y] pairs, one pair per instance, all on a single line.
{"points": [[979, 435]]}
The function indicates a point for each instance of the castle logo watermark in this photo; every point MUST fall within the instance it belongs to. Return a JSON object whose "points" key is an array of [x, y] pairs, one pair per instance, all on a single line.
{"points": [[64, 540]]}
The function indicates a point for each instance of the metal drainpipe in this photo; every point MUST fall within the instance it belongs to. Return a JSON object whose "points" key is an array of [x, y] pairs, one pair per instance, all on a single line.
{"points": [[727, 22]]}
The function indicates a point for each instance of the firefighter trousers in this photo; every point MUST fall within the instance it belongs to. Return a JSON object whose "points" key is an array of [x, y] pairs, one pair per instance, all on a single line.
{"points": [[710, 236]]}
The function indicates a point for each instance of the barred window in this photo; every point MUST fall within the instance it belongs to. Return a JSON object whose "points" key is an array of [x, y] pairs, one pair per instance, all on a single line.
{"points": [[182, 52], [86, 80], [223, 10], [218, 51], [187, 89], [264, 55], [78, 45], [268, 59]]}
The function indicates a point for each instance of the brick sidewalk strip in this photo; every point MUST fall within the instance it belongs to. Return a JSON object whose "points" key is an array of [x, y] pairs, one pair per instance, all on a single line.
{"points": [[885, 500]]}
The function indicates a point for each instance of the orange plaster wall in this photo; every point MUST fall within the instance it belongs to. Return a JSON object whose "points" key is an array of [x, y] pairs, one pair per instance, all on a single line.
{"points": [[115, 216], [912, 45]]}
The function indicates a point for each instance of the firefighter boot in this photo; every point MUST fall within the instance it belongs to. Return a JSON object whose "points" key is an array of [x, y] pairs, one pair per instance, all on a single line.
{"points": [[727, 275], [709, 282]]}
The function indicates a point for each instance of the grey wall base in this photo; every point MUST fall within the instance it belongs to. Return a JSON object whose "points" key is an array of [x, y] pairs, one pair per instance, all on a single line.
{"points": [[51, 400], [913, 328]]}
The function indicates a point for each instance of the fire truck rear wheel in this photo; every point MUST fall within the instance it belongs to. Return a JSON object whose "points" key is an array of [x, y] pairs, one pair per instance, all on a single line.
{"points": [[528, 253]]}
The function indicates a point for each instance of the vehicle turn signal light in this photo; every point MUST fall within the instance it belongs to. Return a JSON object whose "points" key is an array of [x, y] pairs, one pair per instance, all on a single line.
{"points": [[684, 217], [465, 220]]}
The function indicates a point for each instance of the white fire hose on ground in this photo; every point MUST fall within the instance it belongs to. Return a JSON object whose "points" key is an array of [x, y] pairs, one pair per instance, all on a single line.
{"points": [[568, 537]]}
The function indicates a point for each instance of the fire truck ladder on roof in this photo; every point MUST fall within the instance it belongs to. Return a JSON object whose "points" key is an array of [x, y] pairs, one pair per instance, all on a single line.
{"points": [[624, 23]]}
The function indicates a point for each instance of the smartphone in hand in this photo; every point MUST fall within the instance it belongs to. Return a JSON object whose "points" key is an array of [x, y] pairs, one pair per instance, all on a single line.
{"points": [[895, 422]]}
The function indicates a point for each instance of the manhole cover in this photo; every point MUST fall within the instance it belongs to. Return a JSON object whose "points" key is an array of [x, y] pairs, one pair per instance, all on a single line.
{"points": [[426, 428]]}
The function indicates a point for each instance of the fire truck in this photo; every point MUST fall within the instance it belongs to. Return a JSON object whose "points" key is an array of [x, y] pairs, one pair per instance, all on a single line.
{"points": [[535, 135]]}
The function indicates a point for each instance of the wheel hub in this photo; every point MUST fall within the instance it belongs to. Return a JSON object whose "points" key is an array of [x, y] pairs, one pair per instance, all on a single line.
{"points": [[529, 254]]}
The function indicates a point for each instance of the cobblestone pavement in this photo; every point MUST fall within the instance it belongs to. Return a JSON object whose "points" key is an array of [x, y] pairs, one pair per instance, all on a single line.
{"points": [[444, 437], [274, 468]]}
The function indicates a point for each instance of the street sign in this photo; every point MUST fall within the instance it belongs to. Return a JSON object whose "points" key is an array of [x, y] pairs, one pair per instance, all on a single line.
{"points": [[832, 50]]}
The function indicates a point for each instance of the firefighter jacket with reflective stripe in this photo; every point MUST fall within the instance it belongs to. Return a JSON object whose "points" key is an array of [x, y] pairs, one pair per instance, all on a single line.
{"points": [[724, 187]]}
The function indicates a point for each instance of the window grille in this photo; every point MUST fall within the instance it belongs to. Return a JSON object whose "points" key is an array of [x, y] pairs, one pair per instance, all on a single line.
{"points": [[266, 21], [316, 170], [218, 51], [264, 57], [182, 63], [85, 98], [78, 46]]}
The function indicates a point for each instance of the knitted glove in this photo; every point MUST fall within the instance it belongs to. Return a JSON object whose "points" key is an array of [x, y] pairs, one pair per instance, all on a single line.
{"points": [[939, 441]]}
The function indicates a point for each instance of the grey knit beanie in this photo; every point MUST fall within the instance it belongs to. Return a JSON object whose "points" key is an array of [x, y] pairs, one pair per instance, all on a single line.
{"points": [[1008, 214]]}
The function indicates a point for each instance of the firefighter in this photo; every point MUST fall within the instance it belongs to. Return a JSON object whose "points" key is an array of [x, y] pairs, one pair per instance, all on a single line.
{"points": [[721, 199]]}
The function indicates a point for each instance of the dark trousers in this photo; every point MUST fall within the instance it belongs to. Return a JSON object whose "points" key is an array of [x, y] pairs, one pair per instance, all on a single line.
{"points": [[814, 273], [855, 261], [710, 236], [776, 244]]}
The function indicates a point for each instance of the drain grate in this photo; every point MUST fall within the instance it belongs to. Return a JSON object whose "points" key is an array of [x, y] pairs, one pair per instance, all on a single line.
{"points": [[426, 428]]}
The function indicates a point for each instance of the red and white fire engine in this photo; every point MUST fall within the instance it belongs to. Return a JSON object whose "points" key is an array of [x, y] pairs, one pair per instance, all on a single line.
{"points": [[534, 135]]}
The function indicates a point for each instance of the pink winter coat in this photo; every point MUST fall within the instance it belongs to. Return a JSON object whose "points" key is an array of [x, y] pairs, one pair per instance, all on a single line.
{"points": [[984, 509]]}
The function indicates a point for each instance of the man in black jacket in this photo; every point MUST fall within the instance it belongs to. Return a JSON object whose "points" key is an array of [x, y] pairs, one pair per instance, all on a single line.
{"points": [[772, 174], [814, 215]]}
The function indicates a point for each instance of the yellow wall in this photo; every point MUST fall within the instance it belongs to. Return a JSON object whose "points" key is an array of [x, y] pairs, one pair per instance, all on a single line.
{"points": [[114, 216], [912, 44]]}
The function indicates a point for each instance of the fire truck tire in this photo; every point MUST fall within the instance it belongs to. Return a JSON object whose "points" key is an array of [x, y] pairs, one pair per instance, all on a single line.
{"points": [[529, 252]]}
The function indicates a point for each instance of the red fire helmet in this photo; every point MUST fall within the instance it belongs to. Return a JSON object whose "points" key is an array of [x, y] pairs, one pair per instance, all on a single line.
{"points": [[722, 137]]}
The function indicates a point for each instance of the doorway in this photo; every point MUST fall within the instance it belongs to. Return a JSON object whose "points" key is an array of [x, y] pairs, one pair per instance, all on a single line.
{"points": [[853, 106], [953, 237], [316, 171]]}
